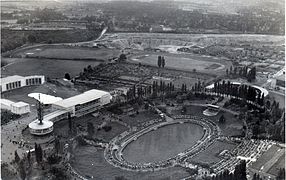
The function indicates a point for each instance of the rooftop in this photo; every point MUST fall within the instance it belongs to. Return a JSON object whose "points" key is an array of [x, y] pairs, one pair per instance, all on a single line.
{"points": [[45, 98], [6, 102], [11, 79], [20, 104], [81, 98], [37, 126]]}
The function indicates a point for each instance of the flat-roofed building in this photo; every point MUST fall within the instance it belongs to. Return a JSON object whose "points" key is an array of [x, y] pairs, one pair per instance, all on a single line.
{"points": [[78, 105], [84, 103], [20, 108], [15, 82], [6, 104], [15, 107]]}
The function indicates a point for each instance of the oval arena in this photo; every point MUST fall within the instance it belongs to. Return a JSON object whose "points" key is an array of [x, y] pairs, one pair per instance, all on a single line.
{"points": [[115, 151]]}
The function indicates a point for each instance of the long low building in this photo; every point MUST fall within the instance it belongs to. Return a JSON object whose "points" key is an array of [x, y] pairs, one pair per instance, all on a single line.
{"points": [[84, 103], [15, 82], [77, 106], [15, 107]]}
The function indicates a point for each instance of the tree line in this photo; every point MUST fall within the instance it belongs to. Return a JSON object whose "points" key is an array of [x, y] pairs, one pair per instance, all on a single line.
{"points": [[161, 61], [238, 174], [243, 72], [153, 90], [242, 91]]}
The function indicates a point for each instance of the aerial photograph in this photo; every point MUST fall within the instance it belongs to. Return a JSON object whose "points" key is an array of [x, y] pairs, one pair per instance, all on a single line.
{"points": [[142, 89]]}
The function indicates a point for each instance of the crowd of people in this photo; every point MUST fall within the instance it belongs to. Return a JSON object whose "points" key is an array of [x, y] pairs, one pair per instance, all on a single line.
{"points": [[248, 150]]}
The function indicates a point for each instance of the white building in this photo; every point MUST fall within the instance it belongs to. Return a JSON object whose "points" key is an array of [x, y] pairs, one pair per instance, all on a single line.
{"points": [[14, 82], [6, 104], [84, 103], [45, 98], [78, 105], [16, 108], [20, 108]]}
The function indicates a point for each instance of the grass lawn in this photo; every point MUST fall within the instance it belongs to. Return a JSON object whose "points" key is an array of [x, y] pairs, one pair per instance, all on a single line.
{"points": [[107, 136], [184, 62], [266, 157], [231, 127], [144, 116], [90, 161], [279, 164], [47, 67], [65, 52], [210, 155]]}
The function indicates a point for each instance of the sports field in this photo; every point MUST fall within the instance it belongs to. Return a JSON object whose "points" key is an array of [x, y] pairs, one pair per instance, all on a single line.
{"points": [[67, 52], [271, 160], [48, 67], [185, 62], [280, 163]]}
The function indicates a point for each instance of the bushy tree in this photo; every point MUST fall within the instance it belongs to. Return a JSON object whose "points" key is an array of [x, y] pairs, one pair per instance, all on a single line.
{"points": [[22, 170], [159, 62], [31, 38], [17, 158], [67, 76], [122, 57], [57, 145], [281, 174], [222, 119], [38, 153], [163, 62], [90, 129]]}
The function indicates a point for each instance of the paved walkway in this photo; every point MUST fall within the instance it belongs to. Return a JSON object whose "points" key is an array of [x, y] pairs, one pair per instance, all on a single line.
{"points": [[13, 132]]}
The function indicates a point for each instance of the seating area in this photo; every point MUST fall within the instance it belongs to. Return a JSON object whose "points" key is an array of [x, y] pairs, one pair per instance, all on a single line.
{"points": [[248, 150]]}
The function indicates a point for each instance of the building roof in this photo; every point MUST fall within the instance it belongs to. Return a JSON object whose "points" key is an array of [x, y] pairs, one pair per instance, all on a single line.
{"points": [[6, 102], [35, 125], [82, 98], [14, 78], [20, 104], [11, 79], [45, 98]]}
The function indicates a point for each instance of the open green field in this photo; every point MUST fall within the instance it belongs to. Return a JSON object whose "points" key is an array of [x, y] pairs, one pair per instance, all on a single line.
{"points": [[231, 127], [67, 52], [48, 67], [89, 161], [271, 160], [143, 116], [279, 164], [62, 127], [185, 62], [210, 155]]}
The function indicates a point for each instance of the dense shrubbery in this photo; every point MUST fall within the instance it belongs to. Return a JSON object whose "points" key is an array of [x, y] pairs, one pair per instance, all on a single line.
{"points": [[238, 174], [13, 39], [107, 128]]}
